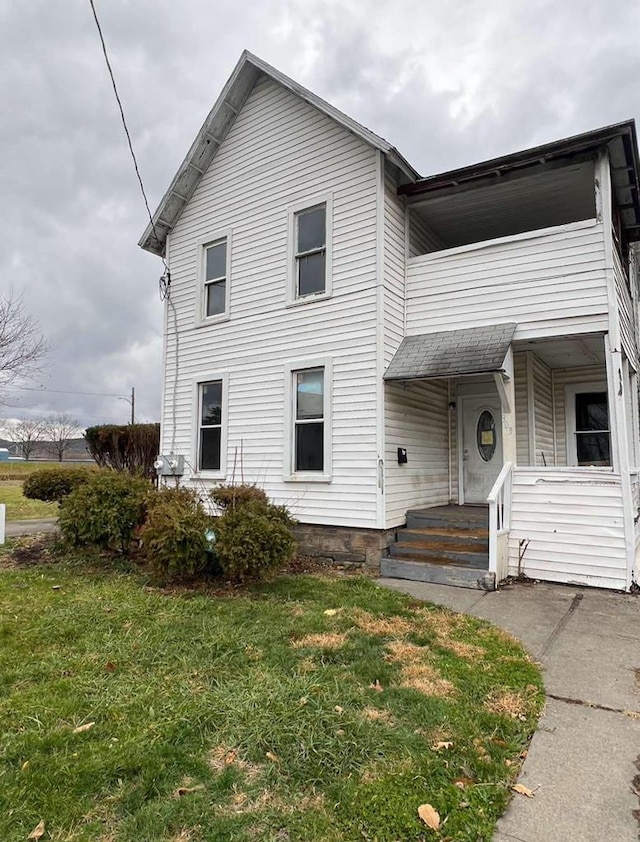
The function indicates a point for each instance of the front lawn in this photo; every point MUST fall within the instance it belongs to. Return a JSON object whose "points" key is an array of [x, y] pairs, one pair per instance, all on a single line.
{"points": [[20, 507], [311, 708]]}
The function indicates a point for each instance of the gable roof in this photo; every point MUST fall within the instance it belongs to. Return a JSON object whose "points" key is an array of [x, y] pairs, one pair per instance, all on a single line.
{"points": [[215, 128]]}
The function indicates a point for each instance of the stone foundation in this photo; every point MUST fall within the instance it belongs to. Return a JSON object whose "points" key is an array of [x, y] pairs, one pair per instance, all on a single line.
{"points": [[344, 545]]}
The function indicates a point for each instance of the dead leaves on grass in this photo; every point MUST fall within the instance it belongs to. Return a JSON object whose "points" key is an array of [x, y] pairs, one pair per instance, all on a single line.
{"points": [[82, 728], [221, 757], [429, 816], [38, 831]]}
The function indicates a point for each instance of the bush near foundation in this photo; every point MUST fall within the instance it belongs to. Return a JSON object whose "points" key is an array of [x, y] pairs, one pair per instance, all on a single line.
{"points": [[105, 511], [175, 534], [228, 497], [54, 484], [253, 536]]}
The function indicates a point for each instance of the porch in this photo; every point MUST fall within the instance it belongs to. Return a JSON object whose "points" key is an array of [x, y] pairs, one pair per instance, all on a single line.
{"points": [[536, 443]]}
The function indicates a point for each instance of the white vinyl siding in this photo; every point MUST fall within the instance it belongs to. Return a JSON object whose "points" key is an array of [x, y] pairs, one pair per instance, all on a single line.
{"points": [[542, 412], [394, 269], [522, 407], [280, 152], [573, 523], [416, 418], [625, 309], [550, 282]]}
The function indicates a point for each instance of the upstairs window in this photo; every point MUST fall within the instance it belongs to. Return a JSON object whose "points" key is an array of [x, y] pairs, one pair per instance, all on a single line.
{"points": [[215, 276], [309, 420], [210, 425], [309, 253]]}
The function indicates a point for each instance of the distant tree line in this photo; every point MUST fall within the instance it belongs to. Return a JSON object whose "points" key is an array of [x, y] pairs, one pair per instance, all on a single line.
{"points": [[54, 433]]}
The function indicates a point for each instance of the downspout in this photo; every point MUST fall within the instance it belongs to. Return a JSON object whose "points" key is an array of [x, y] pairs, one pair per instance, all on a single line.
{"points": [[380, 514]]}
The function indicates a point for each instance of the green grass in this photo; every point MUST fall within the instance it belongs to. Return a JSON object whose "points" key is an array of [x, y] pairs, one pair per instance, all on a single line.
{"points": [[19, 470], [20, 507], [278, 735]]}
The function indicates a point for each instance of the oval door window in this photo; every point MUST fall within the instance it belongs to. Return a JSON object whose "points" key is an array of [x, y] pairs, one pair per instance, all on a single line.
{"points": [[486, 435]]}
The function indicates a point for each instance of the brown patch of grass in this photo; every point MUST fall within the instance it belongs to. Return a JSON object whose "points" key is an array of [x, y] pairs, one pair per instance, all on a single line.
{"points": [[222, 757], [243, 803], [508, 703], [377, 715], [462, 649], [384, 626], [323, 640], [307, 665], [415, 671], [185, 835]]}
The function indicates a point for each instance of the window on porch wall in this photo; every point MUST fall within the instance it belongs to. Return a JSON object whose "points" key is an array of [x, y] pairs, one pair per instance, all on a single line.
{"points": [[592, 432]]}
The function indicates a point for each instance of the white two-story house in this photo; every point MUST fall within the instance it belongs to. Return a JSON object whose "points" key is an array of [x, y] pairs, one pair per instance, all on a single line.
{"points": [[435, 374]]}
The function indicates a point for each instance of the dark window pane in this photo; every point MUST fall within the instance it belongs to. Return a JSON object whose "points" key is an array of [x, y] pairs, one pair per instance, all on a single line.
{"points": [[592, 412], [311, 273], [311, 229], [309, 447], [216, 261], [210, 449], [310, 394], [215, 298], [593, 449], [211, 403]]}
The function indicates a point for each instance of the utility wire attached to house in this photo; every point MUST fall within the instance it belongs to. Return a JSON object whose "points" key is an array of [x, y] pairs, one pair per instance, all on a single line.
{"points": [[165, 280]]}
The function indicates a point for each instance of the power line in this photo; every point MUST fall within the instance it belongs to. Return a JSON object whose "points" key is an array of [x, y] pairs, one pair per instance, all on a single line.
{"points": [[124, 124], [65, 392]]}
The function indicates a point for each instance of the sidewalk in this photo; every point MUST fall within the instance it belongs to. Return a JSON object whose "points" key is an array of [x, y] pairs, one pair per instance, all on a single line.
{"points": [[16, 528], [584, 759]]}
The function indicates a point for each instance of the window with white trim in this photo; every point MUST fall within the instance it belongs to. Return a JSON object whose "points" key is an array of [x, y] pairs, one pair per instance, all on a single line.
{"points": [[588, 430], [593, 435], [209, 425], [309, 420], [215, 271], [310, 251]]}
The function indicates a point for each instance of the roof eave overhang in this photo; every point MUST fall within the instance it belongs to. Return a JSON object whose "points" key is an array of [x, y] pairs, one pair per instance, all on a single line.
{"points": [[624, 133]]}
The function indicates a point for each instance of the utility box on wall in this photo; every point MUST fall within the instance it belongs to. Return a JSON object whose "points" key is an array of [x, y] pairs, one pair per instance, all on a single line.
{"points": [[169, 466]]}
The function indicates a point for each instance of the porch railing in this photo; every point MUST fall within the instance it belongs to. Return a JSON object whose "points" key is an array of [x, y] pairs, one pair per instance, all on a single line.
{"points": [[499, 501]]}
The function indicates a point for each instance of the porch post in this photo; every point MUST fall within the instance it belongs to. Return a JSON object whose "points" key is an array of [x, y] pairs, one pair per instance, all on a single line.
{"points": [[506, 390]]}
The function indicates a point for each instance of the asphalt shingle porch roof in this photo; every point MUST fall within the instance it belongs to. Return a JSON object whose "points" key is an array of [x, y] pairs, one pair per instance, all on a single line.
{"points": [[451, 353]]}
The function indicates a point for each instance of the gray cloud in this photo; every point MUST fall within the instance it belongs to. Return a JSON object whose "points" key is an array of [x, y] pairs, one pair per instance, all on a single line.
{"points": [[448, 83]]}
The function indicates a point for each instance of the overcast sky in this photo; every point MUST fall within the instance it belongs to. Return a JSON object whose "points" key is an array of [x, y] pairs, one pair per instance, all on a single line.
{"points": [[448, 82]]}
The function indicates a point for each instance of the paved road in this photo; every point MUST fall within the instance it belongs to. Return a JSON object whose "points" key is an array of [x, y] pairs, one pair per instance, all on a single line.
{"points": [[584, 760], [16, 528]]}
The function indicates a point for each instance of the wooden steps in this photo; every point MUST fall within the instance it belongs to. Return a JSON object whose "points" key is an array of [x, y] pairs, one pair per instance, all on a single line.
{"points": [[446, 545]]}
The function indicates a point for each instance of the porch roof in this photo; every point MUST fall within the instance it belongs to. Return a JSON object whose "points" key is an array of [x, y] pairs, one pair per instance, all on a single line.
{"points": [[452, 353]]}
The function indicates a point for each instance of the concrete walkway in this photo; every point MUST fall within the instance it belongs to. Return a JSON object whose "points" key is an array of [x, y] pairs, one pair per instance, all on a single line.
{"points": [[584, 759], [17, 528]]}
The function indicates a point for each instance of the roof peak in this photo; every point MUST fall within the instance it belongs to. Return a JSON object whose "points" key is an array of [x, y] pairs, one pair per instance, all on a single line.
{"points": [[218, 123]]}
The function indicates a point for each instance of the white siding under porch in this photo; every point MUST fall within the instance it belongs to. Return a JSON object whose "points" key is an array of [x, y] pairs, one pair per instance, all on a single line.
{"points": [[280, 153], [567, 526], [416, 418], [551, 282]]}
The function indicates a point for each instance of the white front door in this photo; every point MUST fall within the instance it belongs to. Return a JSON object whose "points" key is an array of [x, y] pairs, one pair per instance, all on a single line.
{"points": [[481, 446]]}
